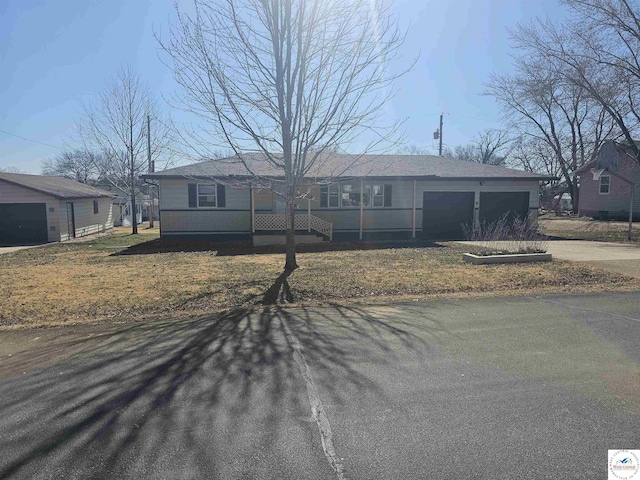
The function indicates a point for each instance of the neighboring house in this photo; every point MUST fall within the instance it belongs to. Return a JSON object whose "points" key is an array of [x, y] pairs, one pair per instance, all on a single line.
{"points": [[381, 197], [607, 182], [35, 209], [122, 210]]}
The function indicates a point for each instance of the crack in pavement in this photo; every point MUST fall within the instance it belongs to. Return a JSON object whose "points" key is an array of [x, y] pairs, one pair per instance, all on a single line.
{"points": [[317, 409]]}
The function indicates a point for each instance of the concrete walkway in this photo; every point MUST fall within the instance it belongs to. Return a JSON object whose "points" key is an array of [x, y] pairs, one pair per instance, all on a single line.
{"points": [[4, 250], [615, 257]]}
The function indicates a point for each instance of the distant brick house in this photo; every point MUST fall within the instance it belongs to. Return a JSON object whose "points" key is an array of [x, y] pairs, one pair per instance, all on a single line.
{"points": [[607, 194]]}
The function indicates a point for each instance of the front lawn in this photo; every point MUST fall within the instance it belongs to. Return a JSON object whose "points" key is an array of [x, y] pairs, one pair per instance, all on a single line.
{"points": [[101, 280]]}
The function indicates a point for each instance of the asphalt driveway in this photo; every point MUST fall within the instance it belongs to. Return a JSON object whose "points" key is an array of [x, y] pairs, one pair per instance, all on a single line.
{"points": [[492, 388]]}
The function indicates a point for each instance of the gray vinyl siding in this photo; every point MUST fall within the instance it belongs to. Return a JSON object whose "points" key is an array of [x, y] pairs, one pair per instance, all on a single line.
{"points": [[205, 221], [14, 194], [263, 200], [86, 222], [177, 217], [175, 195]]}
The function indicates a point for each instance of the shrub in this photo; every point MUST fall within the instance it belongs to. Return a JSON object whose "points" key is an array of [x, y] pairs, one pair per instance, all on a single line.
{"points": [[516, 235]]}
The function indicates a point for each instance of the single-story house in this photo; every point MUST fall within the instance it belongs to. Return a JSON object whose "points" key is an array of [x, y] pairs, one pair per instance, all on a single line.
{"points": [[38, 209], [606, 183], [374, 197]]}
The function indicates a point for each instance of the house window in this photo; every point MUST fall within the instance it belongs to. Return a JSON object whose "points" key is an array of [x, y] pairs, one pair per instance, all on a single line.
{"points": [[207, 195], [334, 195], [347, 195], [377, 192], [350, 194], [605, 184], [95, 207]]}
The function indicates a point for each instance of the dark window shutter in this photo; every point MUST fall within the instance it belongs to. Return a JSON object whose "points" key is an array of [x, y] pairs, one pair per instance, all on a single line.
{"points": [[387, 195], [221, 196], [193, 195], [324, 197]]}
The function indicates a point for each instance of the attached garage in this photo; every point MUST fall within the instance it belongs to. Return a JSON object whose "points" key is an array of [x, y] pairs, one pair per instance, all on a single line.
{"points": [[495, 205], [39, 209], [445, 212]]}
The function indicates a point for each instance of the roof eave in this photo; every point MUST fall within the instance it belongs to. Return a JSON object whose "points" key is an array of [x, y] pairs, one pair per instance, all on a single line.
{"points": [[417, 177]]}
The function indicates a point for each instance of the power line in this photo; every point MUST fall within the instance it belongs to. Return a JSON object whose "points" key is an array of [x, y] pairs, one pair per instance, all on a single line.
{"points": [[32, 140]]}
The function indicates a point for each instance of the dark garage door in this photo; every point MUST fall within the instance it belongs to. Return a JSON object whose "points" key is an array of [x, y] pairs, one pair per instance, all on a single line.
{"points": [[443, 214], [493, 205], [23, 223]]}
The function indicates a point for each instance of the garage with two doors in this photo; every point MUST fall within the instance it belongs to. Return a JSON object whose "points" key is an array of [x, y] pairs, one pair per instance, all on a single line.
{"points": [[445, 213]]}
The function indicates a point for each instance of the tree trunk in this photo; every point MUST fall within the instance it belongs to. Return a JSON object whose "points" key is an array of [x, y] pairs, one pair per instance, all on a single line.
{"points": [[132, 179], [134, 214], [290, 249]]}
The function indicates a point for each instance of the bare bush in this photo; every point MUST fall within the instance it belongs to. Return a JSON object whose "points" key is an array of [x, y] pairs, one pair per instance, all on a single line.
{"points": [[506, 235]]}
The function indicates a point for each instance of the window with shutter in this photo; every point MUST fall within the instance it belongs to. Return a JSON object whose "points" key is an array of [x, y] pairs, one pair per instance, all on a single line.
{"points": [[193, 195]]}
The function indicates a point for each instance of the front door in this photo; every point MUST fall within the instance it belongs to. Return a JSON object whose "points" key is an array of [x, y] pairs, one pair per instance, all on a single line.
{"points": [[278, 204], [71, 220]]}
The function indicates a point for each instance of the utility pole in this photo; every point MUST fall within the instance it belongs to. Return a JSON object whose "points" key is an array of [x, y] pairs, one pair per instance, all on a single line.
{"points": [[440, 149], [152, 206]]}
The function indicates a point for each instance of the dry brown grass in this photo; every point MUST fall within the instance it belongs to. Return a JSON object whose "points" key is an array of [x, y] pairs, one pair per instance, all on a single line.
{"points": [[87, 283]]}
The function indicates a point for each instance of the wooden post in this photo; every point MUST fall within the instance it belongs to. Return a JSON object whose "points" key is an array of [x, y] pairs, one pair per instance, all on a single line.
{"points": [[476, 209], [361, 206], [253, 210], [151, 169], [413, 223], [309, 213], [631, 213]]}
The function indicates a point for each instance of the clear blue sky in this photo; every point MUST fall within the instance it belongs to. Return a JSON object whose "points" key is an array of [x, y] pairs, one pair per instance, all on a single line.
{"points": [[54, 55]]}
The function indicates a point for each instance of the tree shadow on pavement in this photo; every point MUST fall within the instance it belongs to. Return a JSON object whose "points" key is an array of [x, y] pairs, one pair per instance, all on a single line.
{"points": [[186, 392]]}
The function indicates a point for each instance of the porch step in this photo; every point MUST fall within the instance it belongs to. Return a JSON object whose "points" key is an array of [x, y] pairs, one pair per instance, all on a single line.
{"points": [[282, 239]]}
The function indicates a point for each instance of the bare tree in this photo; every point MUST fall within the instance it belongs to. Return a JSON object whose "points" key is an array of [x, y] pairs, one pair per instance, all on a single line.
{"points": [[116, 126], [290, 79], [79, 165], [489, 147], [534, 154], [414, 150], [538, 101], [10, 170], [598, 51]]}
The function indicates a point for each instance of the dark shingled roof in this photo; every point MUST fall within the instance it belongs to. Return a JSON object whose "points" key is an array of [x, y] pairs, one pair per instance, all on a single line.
{"points": [[333, 165], [57, 187]]}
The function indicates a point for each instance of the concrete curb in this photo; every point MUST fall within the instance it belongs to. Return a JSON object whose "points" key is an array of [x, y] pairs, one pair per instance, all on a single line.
{"points": [[510, 258]]}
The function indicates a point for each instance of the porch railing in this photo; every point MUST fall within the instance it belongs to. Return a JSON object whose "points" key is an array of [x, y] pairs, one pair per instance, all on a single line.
{"points": [[277, 221]]}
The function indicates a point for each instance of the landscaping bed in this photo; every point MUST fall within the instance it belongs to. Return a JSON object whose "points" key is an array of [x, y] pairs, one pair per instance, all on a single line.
{"points": [[115, 279]]}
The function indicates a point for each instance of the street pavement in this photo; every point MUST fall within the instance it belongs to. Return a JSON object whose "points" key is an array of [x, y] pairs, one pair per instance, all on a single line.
{"points": [[526, 387]]}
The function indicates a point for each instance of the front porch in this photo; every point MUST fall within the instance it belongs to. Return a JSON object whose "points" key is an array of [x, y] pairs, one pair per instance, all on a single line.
{"points": [[267, 228]]}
